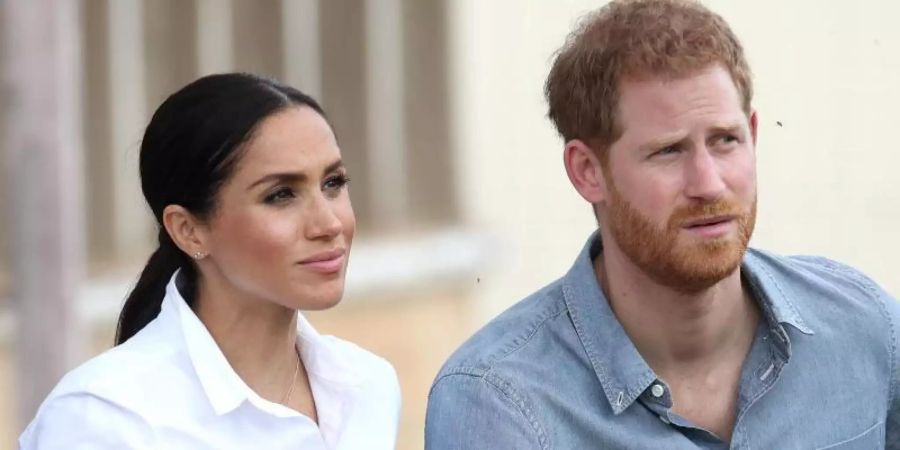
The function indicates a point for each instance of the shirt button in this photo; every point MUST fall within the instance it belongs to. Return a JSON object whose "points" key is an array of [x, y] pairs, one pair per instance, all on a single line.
{"points": [[657, 390]]}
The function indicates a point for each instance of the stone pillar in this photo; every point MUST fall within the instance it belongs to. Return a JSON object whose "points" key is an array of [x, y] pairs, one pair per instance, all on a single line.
{"points": [[41, 92], [386, 112]]}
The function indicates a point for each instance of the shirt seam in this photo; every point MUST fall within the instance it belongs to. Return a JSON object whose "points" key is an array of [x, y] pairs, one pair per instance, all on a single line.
{"points": [[522, 339], [858, 436], [894, 381], [868, 286], [836, 268], [508, 393], [107, 400]]}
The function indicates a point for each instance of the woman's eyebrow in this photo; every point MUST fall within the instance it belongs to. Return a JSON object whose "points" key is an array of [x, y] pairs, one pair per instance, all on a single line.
{"points": [[289, 177], [293, 177]]}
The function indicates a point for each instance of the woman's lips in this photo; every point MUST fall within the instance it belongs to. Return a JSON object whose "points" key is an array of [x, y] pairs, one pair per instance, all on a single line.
{"points": [[326, 262]]}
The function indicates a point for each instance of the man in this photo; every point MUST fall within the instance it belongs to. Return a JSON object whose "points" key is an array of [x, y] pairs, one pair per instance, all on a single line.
{"points": [[668, 332]]}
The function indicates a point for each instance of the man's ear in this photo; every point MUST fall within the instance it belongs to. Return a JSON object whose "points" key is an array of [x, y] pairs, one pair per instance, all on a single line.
{"points": [[186, 231], [584, 171], [754, 126]]}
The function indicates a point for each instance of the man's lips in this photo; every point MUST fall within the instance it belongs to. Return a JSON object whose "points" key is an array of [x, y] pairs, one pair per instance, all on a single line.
{"points": [[711, 227], [327, 262], [709, 221]]}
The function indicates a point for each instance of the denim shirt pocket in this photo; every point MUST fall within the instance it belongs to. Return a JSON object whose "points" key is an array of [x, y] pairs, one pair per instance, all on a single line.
{"points": [[873, 438]]}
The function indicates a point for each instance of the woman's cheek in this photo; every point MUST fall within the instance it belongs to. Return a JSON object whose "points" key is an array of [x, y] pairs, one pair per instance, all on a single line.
{"points": [[264, 236]]}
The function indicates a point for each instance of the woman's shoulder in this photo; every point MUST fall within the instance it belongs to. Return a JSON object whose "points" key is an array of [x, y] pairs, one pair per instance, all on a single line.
{"points": [[126, 384], [144, 357], [371, 378], [77, 419], [105, 399], [369, 366]]}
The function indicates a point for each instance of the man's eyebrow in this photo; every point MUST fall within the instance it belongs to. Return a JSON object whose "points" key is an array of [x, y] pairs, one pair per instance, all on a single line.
{"points": [[665, 141], [661, 142], [727, 128], [293, 177]]}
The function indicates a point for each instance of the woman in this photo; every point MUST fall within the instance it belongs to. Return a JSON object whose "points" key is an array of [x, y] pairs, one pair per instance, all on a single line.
{"points": [[246, 182]]}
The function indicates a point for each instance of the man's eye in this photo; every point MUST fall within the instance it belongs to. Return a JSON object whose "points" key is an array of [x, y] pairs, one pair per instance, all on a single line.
{"points": [[727, 141], [670, 150]]}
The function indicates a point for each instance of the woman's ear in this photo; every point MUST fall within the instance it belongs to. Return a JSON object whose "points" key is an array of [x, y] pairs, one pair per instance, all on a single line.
{"points": [[186, 231], [584, 171]]}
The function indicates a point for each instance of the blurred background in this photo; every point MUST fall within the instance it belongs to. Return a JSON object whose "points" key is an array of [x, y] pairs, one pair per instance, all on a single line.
{"points": [[459, 189]]}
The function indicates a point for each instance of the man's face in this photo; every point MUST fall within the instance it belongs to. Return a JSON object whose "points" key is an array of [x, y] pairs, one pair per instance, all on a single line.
{"points": [[681, 181]]}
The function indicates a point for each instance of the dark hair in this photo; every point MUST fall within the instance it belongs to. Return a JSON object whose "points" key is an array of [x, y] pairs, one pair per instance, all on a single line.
{"points": [[189, 150]]}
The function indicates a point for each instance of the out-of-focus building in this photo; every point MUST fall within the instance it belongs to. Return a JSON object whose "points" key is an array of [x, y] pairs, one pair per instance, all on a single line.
{"points": [[458, 184]]}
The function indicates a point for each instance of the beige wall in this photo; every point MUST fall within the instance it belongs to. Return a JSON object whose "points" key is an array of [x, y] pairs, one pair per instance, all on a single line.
{"points": [[826, 70]]}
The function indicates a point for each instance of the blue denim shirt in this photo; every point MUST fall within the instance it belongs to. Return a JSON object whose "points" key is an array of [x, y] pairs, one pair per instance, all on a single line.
{"points": [[557, 371]]}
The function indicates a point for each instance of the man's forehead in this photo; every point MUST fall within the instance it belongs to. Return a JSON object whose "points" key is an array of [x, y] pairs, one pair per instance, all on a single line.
{"points": [[664, 102]]}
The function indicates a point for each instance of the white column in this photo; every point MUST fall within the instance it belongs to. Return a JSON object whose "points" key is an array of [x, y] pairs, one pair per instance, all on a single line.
{"points": [[128, 110], [215, 34], [386, 112], [301, 44], [42, 98]]}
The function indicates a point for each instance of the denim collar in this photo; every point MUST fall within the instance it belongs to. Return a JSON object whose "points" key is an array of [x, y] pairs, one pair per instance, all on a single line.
{"points": [[622, 371]]}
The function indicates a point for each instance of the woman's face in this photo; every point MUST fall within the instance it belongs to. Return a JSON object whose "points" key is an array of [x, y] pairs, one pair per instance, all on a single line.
{"points": [[283, 223]]}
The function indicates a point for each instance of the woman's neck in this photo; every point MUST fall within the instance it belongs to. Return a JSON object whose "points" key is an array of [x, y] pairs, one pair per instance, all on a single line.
{"points": [[257, 337]]}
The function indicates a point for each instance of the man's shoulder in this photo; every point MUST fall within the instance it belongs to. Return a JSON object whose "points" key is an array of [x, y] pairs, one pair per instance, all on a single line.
{"points": [[821, 287], [504, 336], [810, 271]]}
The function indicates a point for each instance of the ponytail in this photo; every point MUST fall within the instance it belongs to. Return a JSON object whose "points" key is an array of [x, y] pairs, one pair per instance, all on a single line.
{"points": [[144, 301]]}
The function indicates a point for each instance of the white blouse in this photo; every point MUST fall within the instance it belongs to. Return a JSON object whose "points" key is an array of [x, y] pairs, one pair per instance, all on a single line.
{"points": [[170, 387]]}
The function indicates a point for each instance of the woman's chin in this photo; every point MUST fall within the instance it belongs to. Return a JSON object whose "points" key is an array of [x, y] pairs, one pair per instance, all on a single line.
{"points": [[324, 298]]}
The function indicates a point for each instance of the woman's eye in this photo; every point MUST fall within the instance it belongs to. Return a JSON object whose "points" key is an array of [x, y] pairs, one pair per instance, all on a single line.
{"points": [[280, 195], [336, 182]]}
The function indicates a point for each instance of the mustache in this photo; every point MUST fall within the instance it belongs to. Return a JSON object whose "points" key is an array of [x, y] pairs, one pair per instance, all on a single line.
{"points": [[698, 211]]}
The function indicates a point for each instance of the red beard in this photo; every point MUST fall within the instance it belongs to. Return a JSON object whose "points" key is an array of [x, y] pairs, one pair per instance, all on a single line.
{"points": [[674, 260]]}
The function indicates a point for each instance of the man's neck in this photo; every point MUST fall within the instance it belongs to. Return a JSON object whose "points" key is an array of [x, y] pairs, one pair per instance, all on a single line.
{"points": [[674, 330]]}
